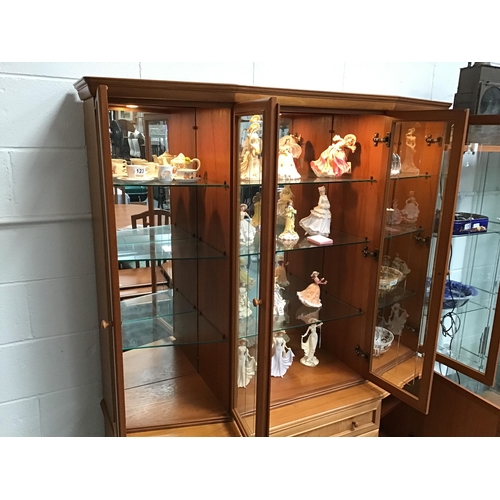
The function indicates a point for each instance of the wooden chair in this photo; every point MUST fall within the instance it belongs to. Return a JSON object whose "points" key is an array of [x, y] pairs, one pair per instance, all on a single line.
{"points": [[160, 218], [137, 281]]}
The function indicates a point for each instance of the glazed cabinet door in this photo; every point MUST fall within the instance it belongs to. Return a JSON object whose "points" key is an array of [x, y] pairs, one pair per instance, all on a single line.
{"points": [[101, 188], [254, 172], [171, 205], [413, 258], [469, 334]]}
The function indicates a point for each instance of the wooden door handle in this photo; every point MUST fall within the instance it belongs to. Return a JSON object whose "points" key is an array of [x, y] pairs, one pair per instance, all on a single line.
{"points": [[257, 302], [104, 324]]}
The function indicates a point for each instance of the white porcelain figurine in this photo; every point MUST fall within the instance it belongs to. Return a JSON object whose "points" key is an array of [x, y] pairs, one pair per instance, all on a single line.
{"points": [[282, 355], [246, 365], [247, 231], [309, 345], [320, 218]]}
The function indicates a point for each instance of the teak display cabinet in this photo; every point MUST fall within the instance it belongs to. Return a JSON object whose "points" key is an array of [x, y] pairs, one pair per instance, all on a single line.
{"points": [[170, 355]]}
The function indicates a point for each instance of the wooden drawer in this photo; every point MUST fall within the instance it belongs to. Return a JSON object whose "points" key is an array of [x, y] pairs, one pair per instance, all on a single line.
{"points": [[350, 412]]}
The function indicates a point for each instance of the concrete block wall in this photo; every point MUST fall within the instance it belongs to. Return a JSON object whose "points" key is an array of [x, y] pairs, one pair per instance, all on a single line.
{"points": [[49, 348]]}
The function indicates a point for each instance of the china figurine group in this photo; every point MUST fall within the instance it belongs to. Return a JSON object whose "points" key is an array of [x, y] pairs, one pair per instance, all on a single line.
{"points": [[333, 162]]}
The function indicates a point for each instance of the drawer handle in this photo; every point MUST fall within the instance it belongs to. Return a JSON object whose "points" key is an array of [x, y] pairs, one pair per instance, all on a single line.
{"points": [[355, 425]]}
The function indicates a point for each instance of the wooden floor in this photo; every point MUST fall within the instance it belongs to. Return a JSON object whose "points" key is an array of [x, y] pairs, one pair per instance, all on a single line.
{"points": [[162, 388]]}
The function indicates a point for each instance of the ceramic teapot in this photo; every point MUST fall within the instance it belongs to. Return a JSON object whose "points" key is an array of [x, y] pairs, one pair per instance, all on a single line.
{"points": [[163, 159], [183, 165]]}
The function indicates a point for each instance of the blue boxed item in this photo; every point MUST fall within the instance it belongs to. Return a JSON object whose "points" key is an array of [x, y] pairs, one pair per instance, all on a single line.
{"points": [[466, 223]]}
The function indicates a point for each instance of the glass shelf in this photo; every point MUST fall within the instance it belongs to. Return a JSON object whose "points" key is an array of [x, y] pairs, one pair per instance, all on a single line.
{"points": [[393, 231], [183, 329], [117, 181], [298, 315], [160, 304], [311, 180], [401, 177], [339, 239], [162, 243], [397, 295]]}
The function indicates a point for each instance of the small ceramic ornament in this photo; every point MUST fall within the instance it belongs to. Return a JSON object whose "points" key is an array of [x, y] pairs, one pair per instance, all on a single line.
{"points": [[286, 195], [279, 301], [246, 364], [333, 160], [282, 355], [280, 273], [310, 296], [245, 280], [320, 218], [250, 157], [247, 231], [245, 308], [309, 342], [289, 149], [256, 211], [289, 233], [410, 211]]}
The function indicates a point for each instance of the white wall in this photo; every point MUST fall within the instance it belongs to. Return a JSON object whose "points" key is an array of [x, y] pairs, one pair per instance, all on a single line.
{"points": [[49, 348]]}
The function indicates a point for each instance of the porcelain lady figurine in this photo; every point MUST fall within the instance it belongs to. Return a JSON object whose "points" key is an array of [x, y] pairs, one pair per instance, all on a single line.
{"points": [[250, 158], [319, 221], [310, 296], [282, 356], [289, 233], [244, 304], [333, 160], [279, 301], [286, 164], [286, 195], [408, 167], [247, 231], [410, 211], [256, 211], [246, 365], [245, 280], [280, 273], [397, 320], [309, 345]]}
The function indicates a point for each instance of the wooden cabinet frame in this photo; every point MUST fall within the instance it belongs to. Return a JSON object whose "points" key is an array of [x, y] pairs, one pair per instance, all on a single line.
{"points": [[372, 113]]}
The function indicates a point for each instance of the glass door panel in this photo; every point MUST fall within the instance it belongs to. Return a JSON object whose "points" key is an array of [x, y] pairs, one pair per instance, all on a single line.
{"points": [[413, 252], [469, 334], [255, 173]]}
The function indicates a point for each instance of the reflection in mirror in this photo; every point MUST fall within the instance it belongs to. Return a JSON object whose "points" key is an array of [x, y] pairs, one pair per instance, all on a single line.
{"points": [[416, 176]]}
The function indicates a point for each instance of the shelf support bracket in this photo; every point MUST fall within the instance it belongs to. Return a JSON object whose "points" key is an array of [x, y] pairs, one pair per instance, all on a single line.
{"points": [[429, 140], [386, 140], [373, 254], [360, 352]]}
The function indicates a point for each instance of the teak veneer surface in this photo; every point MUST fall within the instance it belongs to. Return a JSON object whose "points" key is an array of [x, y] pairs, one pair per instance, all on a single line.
{"points": [[223, 429], [134, 91], [163, 388], [325, 404]]}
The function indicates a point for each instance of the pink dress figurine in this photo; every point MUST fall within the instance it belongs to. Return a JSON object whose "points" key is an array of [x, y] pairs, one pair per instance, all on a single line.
{"points": [[310, 296], [333, 161]]}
